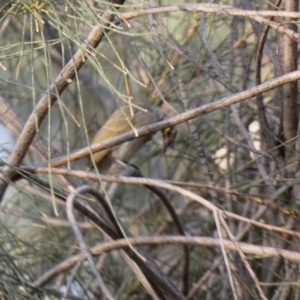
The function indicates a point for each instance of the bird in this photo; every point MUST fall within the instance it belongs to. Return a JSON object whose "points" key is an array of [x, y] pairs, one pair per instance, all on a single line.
{"points": [[123, 120]]}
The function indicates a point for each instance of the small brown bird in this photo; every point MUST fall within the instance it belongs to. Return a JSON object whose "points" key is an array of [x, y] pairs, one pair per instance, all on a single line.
{"points": [[123, 120]]}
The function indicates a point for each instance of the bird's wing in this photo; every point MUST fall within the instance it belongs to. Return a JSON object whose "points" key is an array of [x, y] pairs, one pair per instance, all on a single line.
{"points": [[118, 123]]}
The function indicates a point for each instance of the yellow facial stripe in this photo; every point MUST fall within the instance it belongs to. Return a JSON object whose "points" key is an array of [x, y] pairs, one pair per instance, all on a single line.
{"points": [[167, 131]]}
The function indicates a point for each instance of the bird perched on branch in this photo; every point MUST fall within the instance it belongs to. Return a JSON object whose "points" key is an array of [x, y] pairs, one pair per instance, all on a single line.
{"points": [[124, 120]]}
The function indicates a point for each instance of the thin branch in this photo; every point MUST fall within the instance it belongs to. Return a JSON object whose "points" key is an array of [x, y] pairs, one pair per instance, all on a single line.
{"points": [[65, 77], [166, 185], [83, 246], [180, 118], [261, 251]]}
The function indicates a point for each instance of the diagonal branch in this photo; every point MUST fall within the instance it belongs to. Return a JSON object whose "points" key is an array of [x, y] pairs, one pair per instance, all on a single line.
{"points": [[49, 98], [180, 118]]}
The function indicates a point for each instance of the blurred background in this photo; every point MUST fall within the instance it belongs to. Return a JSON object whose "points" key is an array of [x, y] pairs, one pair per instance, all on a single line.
{"points": [[243, 158]]}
